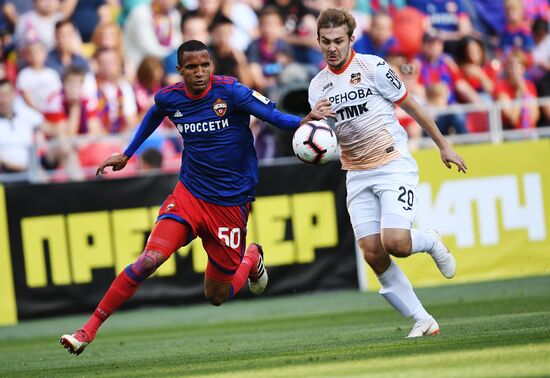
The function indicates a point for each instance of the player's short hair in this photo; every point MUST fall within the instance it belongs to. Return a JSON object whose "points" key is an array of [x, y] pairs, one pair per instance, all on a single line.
{"points": [[189, 46], [335, 17]]}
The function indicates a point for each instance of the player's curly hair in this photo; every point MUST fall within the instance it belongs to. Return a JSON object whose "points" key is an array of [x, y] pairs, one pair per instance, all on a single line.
{"points": [[334, 17], [191, 45]]}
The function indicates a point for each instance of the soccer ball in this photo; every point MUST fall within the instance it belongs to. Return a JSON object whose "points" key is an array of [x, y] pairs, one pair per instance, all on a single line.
{"points": [[315, 142]]}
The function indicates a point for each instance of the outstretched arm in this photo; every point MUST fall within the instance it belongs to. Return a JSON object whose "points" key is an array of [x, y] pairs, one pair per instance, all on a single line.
{"points": [[150, 122], [321, 110], [263, 108], [448, 155], [117, 161]]}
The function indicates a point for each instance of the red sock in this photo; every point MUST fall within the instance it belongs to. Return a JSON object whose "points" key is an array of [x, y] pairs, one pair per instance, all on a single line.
{"points": [[241, 275], [167, 236], [122, 289]]}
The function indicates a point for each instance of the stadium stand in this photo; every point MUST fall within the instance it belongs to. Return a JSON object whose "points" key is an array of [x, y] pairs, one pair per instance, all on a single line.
{"points": [[483, 73]]}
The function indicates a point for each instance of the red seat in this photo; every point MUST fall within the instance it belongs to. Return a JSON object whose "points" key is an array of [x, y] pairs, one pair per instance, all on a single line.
{"points": [[93, 154], [477, 122]]}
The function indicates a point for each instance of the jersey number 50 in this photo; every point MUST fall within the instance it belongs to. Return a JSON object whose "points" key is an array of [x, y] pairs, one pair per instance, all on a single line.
{"points": [[230, 238]]}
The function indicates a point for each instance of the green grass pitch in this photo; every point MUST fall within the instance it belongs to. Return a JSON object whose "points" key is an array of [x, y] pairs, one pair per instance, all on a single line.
{"points": [[493, 329]]}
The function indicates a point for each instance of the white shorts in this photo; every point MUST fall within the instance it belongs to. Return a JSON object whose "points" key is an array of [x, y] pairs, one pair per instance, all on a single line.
{"points": [[383, 197]]}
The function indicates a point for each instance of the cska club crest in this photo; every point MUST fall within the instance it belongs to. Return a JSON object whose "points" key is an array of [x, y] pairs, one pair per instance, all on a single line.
{"points": [[355, 78], [220, 107]]}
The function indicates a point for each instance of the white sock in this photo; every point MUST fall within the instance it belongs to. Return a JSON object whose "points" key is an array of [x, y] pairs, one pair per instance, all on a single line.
{"points": [[398, 291], [421, 241]]}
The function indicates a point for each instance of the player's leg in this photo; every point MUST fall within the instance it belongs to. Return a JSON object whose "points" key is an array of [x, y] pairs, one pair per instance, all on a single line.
{"points": [[167, 236], [398, 236], [222, 283], [365, 208], [397, 214], [229, 264], [396, 189], [395, 286], [430, 242], [216, 292]]}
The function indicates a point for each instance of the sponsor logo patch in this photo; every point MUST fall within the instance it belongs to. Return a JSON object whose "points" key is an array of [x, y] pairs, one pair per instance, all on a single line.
{"points": [[260, 97], [178, 114], [327, 86], [220, 107], [394, 79]]}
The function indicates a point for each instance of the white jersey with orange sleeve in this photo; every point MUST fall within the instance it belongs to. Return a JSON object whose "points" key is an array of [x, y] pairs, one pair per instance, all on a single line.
{"points": [[363, 93]]}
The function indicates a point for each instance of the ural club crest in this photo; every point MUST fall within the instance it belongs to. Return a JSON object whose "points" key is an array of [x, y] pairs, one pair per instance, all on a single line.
{"points": [[355, 78], [220, 107]]}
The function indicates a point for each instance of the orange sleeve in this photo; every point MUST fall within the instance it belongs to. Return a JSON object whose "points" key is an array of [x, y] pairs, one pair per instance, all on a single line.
{"points": [[402, 98]]}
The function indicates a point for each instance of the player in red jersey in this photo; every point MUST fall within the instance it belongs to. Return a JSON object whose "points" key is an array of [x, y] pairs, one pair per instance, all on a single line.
{"points": [[217, 183]]}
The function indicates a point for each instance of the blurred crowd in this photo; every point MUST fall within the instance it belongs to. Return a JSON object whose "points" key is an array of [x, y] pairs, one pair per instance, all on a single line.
{"points": [[91, 67]]}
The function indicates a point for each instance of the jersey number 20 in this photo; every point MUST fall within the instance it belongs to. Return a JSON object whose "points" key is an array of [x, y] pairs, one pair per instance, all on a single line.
{"points": [[409, 200]]}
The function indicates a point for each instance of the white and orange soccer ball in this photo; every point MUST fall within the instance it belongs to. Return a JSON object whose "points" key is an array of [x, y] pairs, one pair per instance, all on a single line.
{"points": [[315, 143]]}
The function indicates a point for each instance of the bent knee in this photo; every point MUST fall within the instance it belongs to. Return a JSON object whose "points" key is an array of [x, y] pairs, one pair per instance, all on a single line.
{"points": [[372, 256], [377, 258], [216, 298], [398, 248], [397, 242], [216, 301], [147, 263]]}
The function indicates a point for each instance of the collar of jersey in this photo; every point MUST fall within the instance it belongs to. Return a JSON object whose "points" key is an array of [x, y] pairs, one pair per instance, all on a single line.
{"points": [[201, 95], [345, 66]]}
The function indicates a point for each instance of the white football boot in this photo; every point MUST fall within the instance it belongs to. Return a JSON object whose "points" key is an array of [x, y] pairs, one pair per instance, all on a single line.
{"points": [[442, 257], [257, 278], [77, 342], [426, 327]]}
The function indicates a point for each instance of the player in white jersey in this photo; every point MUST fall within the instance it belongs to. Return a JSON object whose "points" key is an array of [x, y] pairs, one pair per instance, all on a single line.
{"points": [[382, 175]]}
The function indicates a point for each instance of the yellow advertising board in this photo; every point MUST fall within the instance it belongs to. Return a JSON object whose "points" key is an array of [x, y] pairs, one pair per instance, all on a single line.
{"points": [[8, 307], [495, 219]]}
